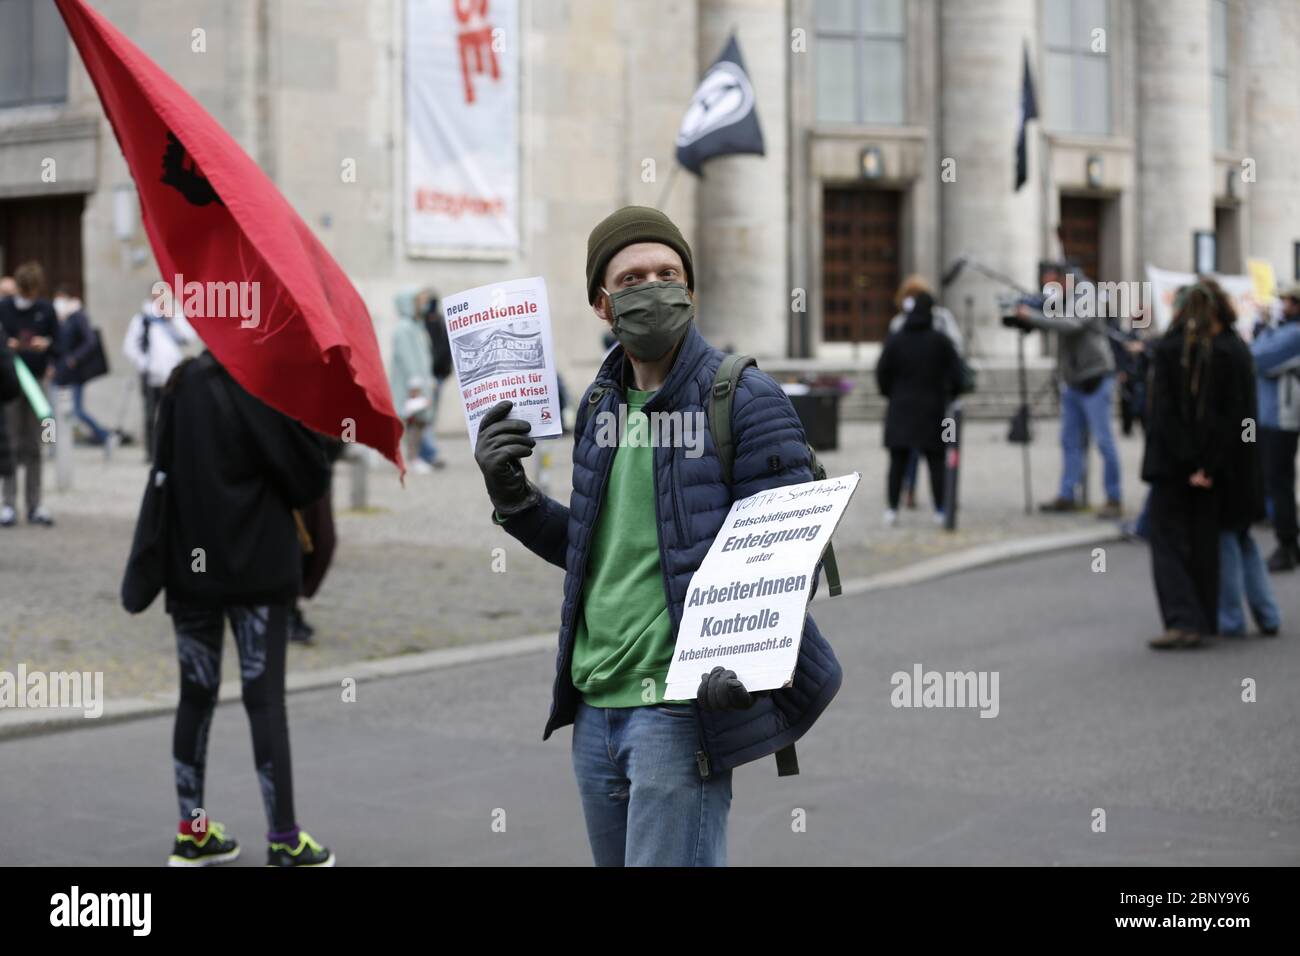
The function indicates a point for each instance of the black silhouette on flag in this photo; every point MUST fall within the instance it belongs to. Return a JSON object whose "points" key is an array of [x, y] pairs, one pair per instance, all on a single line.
{"points": [[722, 119]]}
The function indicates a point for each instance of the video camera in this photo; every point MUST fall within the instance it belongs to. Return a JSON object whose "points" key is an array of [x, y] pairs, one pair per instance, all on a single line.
{"points": [[1007, 306]]}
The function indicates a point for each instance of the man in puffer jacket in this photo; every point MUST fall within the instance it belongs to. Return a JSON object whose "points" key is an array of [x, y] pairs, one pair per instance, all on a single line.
{"points": [[654, 775]]}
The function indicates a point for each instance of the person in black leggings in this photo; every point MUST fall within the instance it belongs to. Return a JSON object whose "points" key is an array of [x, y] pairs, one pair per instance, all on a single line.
{"points": [[261, 636], [919, 371], [236, 470]]}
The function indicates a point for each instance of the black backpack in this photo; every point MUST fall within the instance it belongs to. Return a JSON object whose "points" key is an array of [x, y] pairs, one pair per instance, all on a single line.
{"points": [[721, 399]]}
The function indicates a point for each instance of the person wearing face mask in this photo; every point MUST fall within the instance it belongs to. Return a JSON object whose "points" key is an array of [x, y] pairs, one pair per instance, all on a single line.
{"points": [[155, 344], [654, 775], [31, 330], [77, 345]]}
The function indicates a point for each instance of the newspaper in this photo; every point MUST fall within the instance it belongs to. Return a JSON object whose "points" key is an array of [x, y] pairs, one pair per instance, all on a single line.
{"points": [[500, 338]]}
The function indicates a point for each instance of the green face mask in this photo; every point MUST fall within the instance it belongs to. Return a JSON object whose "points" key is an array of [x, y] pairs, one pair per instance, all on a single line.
{"points": [[650, 318]]}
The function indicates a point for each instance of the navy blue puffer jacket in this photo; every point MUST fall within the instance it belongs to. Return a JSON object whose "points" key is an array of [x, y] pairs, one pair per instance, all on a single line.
{"points": [[691, 502]]}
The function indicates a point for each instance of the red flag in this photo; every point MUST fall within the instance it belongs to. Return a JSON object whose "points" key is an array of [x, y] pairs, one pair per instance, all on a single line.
{"points": [[300, 337]]}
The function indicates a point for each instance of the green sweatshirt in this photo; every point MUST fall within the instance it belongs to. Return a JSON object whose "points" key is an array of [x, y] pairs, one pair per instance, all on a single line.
{"points": [[624, 635]]}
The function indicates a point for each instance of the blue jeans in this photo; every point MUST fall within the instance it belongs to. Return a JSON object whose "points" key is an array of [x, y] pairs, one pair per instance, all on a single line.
{"points": [[100, 433], [642, 795], [1083, 415], [1242, 569]]}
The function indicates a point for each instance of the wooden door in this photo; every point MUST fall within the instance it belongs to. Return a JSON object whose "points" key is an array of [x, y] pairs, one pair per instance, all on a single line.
{"points": [[47, 230], [1081, 233], [860, 262]]}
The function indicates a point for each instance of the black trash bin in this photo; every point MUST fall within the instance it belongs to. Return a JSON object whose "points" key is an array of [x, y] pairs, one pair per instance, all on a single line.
{"points": [[819, 410]]}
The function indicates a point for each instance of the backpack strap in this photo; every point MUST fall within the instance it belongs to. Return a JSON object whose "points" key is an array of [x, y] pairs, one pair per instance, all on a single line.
{"points": [[830, 566], [787, 762], [721, 399]]}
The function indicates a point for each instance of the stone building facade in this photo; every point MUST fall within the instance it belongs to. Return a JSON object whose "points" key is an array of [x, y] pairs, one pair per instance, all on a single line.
{"points": [[890, 128]]}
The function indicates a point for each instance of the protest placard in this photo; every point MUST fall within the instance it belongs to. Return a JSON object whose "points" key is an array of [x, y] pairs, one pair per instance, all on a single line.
{"points": [[746, 603], [500, 338]]}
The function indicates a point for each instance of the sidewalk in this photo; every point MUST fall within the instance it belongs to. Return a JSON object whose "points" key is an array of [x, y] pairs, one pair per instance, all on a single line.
{"points": [[415, 571]]}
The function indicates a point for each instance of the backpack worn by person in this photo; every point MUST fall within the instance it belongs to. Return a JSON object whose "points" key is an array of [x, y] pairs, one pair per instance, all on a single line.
{"points": [[722, 398]]}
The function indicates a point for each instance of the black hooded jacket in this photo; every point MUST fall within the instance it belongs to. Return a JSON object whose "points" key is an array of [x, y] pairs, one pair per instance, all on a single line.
{"points": [[1188, 433], [919, 371], [238, 470]]}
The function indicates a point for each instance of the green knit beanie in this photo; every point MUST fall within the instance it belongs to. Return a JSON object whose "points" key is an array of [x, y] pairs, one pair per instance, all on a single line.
{"points": [[624, 227]]}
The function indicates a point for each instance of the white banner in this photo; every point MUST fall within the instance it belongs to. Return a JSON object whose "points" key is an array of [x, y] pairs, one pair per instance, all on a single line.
{"points": [[1239, 289], [462, 125], [747, 601]]}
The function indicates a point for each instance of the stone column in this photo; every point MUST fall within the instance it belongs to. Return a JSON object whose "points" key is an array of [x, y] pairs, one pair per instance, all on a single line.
{"points": [[741, 240], [1174, 129], [982, 63], [1273, 132]]}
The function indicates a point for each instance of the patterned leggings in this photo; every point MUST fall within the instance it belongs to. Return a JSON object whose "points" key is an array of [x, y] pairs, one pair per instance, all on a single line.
{"points": [[261, 636]]}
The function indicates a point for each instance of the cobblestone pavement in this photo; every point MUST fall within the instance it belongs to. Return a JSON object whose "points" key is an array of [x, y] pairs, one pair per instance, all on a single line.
{"points": [[415, 571]]}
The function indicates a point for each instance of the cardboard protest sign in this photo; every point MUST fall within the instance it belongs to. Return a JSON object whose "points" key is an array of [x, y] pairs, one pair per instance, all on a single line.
{"points": [[500, 338], [746, 603]]}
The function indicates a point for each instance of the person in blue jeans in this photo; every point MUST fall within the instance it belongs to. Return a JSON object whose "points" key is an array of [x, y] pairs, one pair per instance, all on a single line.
{"points": [[654, 773], [1086, 412], [1242, 571], [643, 804], [77, 343], [1087, 370]]}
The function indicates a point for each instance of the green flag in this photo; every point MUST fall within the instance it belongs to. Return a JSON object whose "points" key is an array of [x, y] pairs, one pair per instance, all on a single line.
{"points": [[32, 389]]}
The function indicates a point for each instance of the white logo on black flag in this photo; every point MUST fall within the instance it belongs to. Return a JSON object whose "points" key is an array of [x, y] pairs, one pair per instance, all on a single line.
{"points": [[722, 119]]}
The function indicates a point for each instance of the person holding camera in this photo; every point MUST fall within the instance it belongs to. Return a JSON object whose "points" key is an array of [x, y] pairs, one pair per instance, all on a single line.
{"points": [[1087, 370]]}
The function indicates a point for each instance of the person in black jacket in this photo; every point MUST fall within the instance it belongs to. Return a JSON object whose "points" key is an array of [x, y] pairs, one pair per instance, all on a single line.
{"points": [[32, 329], [78, 343], [427, 306], [1194, 419], [237, 470], [919, 371]]}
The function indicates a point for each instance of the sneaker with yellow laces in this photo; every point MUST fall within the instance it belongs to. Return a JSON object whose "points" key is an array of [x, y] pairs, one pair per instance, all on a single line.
{"points": [[299, 849], [204, 849]]}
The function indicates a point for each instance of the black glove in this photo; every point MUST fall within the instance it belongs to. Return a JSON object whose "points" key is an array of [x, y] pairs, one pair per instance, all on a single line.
{"points": [[722, 690], [501, 443]]}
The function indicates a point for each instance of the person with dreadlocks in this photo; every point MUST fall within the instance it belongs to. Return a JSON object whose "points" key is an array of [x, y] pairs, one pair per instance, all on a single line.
{"points": [[1188, 461]]}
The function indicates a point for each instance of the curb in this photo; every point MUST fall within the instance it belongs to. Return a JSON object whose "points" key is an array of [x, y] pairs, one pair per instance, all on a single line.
{"points": [[22, 723]]}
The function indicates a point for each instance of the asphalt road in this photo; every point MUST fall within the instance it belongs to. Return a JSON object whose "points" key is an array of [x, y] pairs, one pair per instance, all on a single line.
{"points": [[415, 771]]}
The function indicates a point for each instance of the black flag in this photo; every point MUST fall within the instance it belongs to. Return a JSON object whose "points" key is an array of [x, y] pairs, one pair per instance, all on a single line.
{"points": [[723, 118], [1028, 111]]}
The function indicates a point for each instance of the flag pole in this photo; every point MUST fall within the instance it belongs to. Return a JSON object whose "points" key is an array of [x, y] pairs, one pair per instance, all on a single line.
{"points": [[668, 187]]}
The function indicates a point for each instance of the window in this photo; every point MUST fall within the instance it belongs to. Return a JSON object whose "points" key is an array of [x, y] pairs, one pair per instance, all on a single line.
{"points": [[33, 53], [1219, 73], [1077, 80], [859, 61]]}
